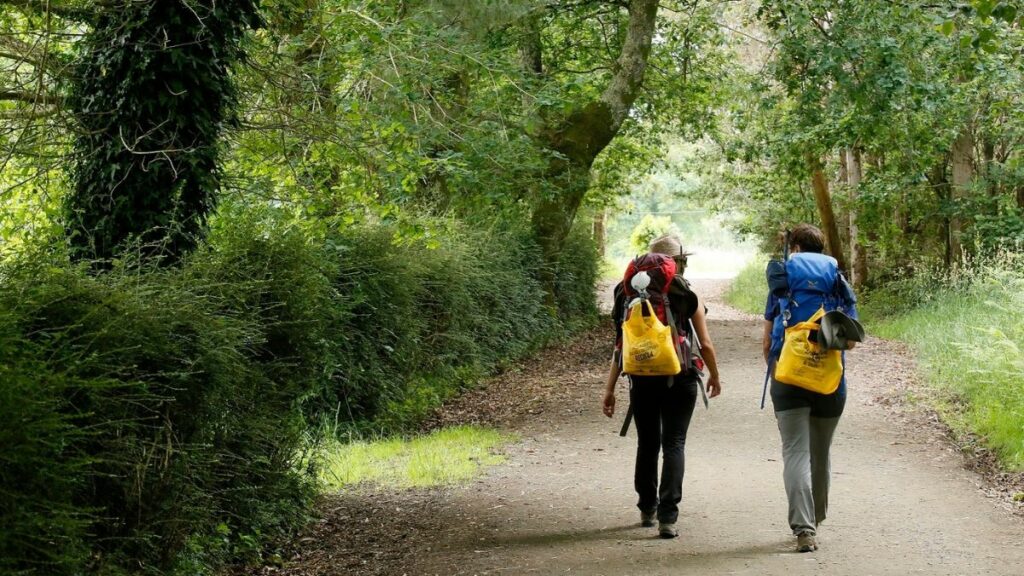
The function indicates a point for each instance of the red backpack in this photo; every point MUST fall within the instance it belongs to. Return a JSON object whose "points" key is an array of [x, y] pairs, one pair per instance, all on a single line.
{"points": [[661, 269]]}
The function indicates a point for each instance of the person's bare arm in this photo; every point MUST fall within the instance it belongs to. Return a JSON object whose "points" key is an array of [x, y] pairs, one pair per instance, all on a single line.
{"points": [[766, 340], [700, 325], [608, 406]]}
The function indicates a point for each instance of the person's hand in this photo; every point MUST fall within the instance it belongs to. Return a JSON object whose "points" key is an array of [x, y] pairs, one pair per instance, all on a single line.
{"points": [[714, 387], [608, 406], [850, 344]]}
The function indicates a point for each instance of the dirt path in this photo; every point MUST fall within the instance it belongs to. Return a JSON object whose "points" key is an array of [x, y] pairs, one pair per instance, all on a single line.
{"points": [[901, 502]]}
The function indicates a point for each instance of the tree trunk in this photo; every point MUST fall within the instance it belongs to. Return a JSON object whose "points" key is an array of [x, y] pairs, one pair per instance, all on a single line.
{"points": [[940, 184], [576, 140], [599, 232], [531, 55], [823, 199], [963, 176], [858, 258], [988, 152], [843, 180]]}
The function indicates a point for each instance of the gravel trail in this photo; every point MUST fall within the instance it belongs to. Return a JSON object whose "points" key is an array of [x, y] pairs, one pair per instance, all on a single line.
{"points": [[563, 503]]}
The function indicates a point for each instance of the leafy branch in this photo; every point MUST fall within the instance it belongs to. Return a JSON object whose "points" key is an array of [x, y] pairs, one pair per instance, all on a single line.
{"points": [[66, 11]]}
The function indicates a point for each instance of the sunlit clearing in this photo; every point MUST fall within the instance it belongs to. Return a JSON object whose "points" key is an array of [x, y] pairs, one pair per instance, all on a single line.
{"points": [[444, 457]]}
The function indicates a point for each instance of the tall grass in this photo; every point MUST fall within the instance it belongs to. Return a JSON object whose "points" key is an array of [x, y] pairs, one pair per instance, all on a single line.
{"points": [[968, 330]]}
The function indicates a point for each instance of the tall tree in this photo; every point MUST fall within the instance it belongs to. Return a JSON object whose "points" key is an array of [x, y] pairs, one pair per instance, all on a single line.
{"points": [[962, 166], [575, 139], [858, 259]]}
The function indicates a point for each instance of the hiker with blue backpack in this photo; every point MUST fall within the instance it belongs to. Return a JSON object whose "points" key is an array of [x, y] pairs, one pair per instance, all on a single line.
{"points": [[663, 345], [810, 319]]}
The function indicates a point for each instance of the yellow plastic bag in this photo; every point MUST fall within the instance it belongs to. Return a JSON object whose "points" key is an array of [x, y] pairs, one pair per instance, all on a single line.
{"points": [[804, 363], [647, 344]]}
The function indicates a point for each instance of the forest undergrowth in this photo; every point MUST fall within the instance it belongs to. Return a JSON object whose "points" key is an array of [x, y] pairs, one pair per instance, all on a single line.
{"points": [[178, 418]]}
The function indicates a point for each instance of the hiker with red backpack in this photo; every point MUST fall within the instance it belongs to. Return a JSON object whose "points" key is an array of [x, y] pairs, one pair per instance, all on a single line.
{"points": [[809, 320], [662, 341]]}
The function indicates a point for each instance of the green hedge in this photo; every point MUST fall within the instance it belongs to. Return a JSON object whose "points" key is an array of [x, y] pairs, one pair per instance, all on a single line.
{"points": [[164, 421], [160, 418]]}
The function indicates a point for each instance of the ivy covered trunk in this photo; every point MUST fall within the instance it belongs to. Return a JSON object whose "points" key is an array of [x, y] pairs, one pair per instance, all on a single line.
{"points": [[152, 95]]}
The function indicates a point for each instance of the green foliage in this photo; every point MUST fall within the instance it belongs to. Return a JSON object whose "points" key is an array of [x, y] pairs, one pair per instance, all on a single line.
{"points": [[446, 314], [897, 82], [576, 280], [152, 94], [167, 418], [649, 228], [40, 468], [171, 416], [968, 331], [749, 290], [372, 128]]}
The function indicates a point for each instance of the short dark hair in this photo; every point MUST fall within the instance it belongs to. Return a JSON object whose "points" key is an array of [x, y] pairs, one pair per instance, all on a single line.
{"points": [[808, 238]]}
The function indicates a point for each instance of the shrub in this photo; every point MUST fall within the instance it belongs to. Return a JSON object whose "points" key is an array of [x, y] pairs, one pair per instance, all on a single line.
{"points": [[40, 469], [179, 422], [649, 228], [418, 322], [167, 418]]}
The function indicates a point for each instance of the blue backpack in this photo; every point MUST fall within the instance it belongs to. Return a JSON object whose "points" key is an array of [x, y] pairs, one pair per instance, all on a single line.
{"points": [[803, 284]]}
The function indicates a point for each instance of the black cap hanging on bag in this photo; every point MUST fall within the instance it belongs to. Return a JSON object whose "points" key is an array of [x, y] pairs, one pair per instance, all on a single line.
{"points": [[838, 330]]}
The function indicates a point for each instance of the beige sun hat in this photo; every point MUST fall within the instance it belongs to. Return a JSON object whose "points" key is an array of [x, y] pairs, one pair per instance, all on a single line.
{"points": [[669, 245]]}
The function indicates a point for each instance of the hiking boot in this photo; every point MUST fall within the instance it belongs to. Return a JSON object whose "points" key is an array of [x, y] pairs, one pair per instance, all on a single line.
{"points": [[667, 530], [806, 542], [647, 519]]}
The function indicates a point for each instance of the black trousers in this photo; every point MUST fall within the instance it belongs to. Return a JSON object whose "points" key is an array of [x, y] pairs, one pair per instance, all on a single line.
{"points": [[662, 416]]}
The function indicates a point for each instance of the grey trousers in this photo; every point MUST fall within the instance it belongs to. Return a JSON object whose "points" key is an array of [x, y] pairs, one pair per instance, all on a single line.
{"points": [[806, 467]]}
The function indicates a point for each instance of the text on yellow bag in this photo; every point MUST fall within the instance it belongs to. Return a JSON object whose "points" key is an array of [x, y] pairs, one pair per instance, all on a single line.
{"points": [[805, 363], [648, 347]]}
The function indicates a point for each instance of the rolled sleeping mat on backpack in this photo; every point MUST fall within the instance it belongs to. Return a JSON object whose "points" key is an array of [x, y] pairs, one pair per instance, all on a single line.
{"points": [[778, 280]]}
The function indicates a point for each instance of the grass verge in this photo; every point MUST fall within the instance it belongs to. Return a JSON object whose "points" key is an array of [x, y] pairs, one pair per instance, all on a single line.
{"points": [[448, 456], [968, 332], [749, 289]]}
